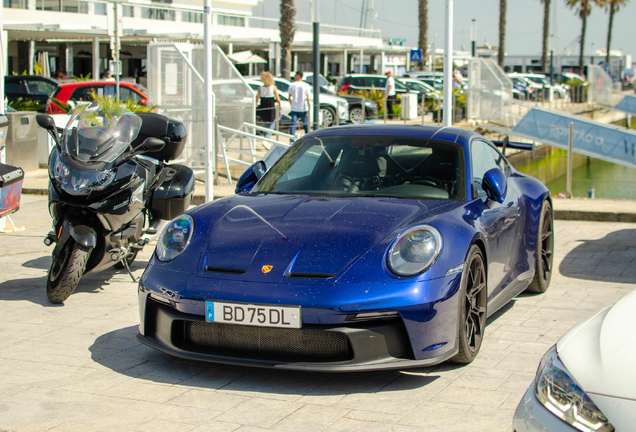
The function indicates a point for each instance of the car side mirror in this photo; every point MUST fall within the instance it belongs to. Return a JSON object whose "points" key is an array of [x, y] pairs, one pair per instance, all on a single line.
{"points": [[495, 185], [45, 121], [150, 145], [249, 178]]}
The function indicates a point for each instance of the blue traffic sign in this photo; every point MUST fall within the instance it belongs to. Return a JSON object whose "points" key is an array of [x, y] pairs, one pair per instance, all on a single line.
{"points": [[416, 55]]}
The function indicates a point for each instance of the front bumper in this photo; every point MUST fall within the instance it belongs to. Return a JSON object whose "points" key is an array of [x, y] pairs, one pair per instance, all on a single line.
{"points": [[531, 416], [423, 332], [372, 345]]}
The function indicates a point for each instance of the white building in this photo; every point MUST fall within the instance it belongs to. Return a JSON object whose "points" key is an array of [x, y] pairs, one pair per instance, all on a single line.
{"points": [[76, 34]]}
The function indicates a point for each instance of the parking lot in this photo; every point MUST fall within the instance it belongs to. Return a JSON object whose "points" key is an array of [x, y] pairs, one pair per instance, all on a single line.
{"points": [[80, 367]]}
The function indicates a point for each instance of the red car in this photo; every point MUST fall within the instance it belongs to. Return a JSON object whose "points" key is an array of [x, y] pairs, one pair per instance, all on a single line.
{"points": [[82, 91]]}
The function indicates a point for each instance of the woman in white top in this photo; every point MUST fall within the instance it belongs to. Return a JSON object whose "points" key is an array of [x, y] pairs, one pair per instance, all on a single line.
{"points": [[267, 96]]}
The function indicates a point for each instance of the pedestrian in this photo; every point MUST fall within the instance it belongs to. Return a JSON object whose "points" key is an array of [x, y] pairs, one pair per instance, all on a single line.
{"points": [[299, 99], [136, 76], [389, 94], [268, 96], [60, 75]]}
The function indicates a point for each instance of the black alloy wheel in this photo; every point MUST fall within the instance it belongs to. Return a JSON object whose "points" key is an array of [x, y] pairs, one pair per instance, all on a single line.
{"points": [[472, 303], [545, 251]]}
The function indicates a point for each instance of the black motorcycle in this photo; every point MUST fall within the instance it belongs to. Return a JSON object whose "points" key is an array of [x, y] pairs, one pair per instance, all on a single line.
{"points": [[110, 189]]}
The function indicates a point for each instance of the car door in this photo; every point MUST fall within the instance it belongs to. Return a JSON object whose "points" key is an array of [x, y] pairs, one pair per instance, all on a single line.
{"points": [[499, 221]]}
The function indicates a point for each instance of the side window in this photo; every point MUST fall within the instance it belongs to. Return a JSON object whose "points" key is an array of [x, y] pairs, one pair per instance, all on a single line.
{"points": [[282, 86], [40, 87], [13, 87], [85, 93], [127, 94], [378, 83], [482, 157], [358, 82]]}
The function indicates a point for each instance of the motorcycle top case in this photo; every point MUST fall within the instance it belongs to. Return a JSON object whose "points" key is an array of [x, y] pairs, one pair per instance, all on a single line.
{"points": [[171, 131], [174, 195], [10, 189]]}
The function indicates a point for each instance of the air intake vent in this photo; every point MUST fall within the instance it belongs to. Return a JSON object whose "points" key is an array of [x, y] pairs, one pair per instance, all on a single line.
{"points": [[265, 343], [297, 275], [226, 270]]}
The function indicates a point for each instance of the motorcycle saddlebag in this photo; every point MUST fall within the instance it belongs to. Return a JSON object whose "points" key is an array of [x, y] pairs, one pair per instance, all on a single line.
{"points": [[174, 195], [10, 189], [171, 131]]}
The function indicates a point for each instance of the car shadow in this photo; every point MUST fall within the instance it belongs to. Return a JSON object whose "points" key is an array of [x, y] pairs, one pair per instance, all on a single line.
{"points": [[33, 289], [612, 258], [137, 360]]}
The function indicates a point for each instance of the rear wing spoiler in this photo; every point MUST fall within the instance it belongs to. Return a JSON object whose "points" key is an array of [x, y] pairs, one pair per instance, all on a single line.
{"points": [[506, 143]]}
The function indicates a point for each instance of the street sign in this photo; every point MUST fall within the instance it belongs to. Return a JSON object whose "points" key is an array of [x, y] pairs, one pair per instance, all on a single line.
{"points": [[115, 67], [416, 55]]}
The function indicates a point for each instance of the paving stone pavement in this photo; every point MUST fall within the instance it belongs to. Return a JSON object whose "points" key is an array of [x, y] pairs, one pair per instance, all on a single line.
{"points": [[79, 367]]}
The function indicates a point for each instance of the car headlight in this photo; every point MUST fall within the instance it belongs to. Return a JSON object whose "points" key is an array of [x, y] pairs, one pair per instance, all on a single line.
{"points": [[560, 393], [175, 238], [370, 104], [414, 250]]}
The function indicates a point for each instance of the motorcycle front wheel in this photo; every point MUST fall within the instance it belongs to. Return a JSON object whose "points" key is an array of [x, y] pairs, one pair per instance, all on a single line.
{"points": [[65, 273]]}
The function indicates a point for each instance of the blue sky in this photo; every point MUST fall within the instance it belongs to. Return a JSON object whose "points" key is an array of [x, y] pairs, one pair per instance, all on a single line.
{"points": [[399, 19]]}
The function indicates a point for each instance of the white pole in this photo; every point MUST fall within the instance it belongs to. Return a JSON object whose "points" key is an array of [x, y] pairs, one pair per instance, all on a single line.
{"points": [[209, 102], [118, 29], [3, 56], [448, 65]]}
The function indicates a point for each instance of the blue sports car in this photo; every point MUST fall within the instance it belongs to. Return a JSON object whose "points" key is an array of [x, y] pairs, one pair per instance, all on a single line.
{"points": [[362, 247]]}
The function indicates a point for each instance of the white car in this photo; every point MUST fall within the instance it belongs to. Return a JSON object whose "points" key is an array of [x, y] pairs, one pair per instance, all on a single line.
{"points": [[587, 381], [541, 81]]}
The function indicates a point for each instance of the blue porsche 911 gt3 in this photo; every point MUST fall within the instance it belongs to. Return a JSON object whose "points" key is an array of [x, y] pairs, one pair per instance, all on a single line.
{"points": [[362, 247]]}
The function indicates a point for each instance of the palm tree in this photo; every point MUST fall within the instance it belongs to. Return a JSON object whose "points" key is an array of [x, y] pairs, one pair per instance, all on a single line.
{"points": [[423, 40], [613, 6], [546, 31], [502, 33], [583, 9], [287, 26]]}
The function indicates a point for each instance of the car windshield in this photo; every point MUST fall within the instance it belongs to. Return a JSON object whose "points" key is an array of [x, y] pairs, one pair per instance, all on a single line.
{"points": [[99, 132], [377, 166]]}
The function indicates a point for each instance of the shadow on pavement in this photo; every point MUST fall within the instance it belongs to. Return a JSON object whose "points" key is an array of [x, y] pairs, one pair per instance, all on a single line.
{"points": [[139, 361], [612, 258], [34, 289]]}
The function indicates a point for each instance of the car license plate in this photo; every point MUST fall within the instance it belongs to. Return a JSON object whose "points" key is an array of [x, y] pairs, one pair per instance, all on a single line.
{"points": [[253, 314]]}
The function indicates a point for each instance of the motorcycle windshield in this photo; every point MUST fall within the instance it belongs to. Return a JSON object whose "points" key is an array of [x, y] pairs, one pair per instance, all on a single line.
{"points": [[99, 132]]}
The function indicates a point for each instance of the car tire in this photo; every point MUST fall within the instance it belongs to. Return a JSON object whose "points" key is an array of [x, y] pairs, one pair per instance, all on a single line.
{"points": [[473, 297], [356, 115], [328, 116], [64, 275], [545, 251]]}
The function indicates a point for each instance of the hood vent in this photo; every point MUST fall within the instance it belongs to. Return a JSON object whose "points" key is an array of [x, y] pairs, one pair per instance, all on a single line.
{"points": [[299, 275], [226, 270]]}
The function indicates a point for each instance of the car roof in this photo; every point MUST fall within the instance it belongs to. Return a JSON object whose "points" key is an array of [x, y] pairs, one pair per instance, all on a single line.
{"points": [[90, 83], [450, 134], [30, 77]]}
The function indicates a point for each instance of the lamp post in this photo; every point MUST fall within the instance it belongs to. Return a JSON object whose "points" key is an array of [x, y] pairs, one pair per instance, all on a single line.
{"points": [[473, 37], [448, 65], [316, 78], [208, 101]]}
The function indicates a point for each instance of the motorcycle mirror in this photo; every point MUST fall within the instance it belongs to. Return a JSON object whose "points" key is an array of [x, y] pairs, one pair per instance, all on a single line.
{"points": [[45, 121], [151, 145]]}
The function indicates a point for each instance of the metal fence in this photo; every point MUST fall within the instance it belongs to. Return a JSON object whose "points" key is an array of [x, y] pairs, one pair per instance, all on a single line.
{"points": [[488, 89], [175, 83]]}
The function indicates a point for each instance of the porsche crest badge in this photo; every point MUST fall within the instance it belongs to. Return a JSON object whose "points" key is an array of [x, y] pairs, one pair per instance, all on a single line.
{"points": [[266, 269]]}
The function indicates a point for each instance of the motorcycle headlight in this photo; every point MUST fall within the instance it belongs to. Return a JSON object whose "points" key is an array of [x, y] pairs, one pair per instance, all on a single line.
{"points": [[560, 393], [79, 182], [175, 238], [414, 250]]}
